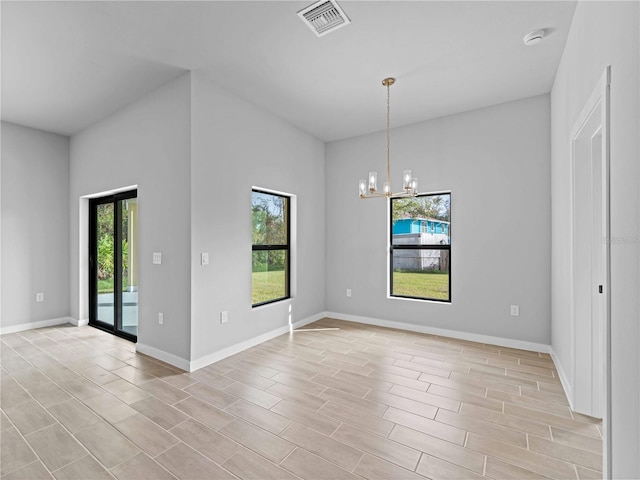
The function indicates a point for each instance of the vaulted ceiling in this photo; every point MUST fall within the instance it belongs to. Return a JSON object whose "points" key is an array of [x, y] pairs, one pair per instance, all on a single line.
{"points": [[66, 65]]}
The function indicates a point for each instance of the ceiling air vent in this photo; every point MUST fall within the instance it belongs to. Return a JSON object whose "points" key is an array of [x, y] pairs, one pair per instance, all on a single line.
{"points": [[324, 16]]}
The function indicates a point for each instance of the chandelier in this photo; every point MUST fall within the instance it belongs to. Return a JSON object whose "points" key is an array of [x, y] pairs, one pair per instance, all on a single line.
{"points": [[369, 189]]}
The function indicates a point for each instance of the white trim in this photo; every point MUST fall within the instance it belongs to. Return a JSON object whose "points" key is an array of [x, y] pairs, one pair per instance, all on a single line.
{"points": [[193, 365], [252, 342], [564, 379], [598, 99], [40, 324], [80, 323], [472, 337], [166, 357]]}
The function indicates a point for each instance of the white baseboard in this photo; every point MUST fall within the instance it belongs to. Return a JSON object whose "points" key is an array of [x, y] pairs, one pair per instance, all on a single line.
{"points": [[40, 324], [166, 357], [252, 342], [193, 365], [564, 379], [472, 337], [80, 323]]}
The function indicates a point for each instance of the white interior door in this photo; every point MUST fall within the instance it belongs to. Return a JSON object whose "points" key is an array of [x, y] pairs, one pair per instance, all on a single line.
{"points": [[590, 253]]}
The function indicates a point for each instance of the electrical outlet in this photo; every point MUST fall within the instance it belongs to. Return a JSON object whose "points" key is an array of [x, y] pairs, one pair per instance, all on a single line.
{"points": [[515, 310], [224, 316], [161, 318], [157, 258], [348, 292], [40, 297]]}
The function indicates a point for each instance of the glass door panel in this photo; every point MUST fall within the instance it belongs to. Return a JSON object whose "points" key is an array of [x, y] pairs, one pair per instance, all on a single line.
{"points": [[113, 262], [129, 229], [105, 266]]}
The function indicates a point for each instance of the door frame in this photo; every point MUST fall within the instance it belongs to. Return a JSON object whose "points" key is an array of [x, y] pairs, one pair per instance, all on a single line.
{"points": [[598, 103], [114, 198]]}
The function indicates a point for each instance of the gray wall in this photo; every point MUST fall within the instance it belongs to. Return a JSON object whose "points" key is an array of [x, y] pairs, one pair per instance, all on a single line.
{"points": [[496, 162], [35, 225], [146, 144], [236, 146], [603, 33]]}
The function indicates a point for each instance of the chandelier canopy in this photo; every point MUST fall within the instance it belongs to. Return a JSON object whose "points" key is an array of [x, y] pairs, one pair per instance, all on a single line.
{"points": [[369, 188]]}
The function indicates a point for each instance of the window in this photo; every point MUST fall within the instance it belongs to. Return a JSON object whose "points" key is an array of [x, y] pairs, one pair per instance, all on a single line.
{"points": [[270, 247], [420, 260]]}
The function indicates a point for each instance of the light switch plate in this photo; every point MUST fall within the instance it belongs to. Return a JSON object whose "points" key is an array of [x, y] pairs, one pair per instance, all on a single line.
{"points": [[157, 258], [204, 258]]}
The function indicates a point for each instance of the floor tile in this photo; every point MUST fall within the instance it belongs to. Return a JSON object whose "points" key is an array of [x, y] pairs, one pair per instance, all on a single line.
{"points": [[204, 413], [249, 379], [426, 425], [527, 459], [211, 395], [83, 469], [108, 445], [14, 451], [403, 403], [375, 468], [384, 448], [438, 448], [323, 446], [261, 417], [125, 391], [357, 418], [164, 415], [141, 467], [109, 407], [55, 447], [356, 389], [300, 384], [29, 416], [588, 474], [184, 462], [264, 443], [163, 391], [254, 395], [147, 435], [249, 466], [307, 416], [488, 429], [576, 440], [285, 392], [566, 453], [437, 469], [210, 443], [499, 470], [74, 415], [306, 465], [344, 398], [98, 375], [33, 471]]}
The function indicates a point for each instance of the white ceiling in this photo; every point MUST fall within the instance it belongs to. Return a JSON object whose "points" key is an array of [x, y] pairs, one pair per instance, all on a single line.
{"points": [[66, 65]]}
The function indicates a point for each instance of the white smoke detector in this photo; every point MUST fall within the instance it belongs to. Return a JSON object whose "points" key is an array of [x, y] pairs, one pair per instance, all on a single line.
{"points": [[324, 16], [533, 37]]}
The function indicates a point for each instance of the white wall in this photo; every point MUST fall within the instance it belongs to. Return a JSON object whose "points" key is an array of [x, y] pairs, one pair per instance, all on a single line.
{"points": [[236, 146], [496, 163], [146, 144], [35, 225], [603, 33]]}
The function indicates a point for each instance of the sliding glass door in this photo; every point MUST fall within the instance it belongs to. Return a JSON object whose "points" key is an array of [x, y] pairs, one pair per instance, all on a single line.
{"points": [[113, 278]]}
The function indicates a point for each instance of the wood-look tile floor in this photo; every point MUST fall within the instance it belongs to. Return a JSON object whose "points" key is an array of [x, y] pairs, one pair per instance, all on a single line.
{"points": [[354, 402]]}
